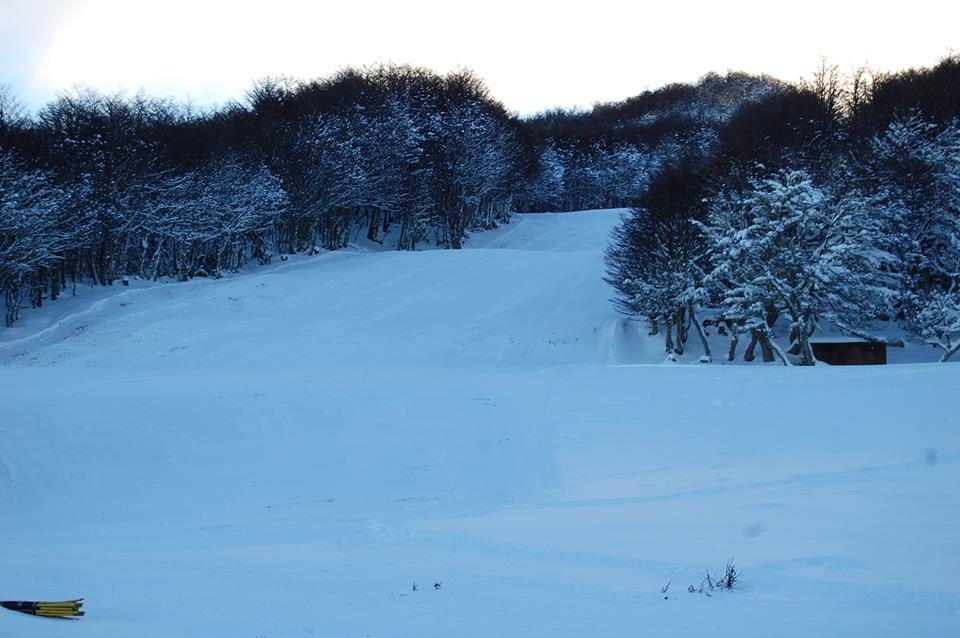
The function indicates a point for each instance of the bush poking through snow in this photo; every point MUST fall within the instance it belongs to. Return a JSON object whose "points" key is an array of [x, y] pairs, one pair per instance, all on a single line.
{"points": [[730, 576], [729, 580]]}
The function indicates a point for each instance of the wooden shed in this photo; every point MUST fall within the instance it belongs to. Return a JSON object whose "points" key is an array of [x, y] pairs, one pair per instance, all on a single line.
{"points": [[848, 351]]}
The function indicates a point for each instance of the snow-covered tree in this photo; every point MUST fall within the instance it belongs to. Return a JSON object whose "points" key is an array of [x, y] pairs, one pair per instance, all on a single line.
{"points": [[937, 318], [473, 160], [786, 246], [917, 165], [545, 191], [915, 168], [31, 239], [395, 173], [211, 220], [103, 149], [364, 167], [628, 174], [331, 179], [652, 263]]}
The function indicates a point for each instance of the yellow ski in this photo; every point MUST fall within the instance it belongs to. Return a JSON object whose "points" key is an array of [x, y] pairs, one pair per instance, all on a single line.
{"points": [[60, 609]]}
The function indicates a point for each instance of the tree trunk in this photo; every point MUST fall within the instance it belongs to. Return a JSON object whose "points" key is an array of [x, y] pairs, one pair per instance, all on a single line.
{"points": [[668, 336], [766, 349], [93, 270], [950, 351], [12, 302], [796, 340], [36, 291], [772, 315], [748, 354], [732, 353], [681, 339], [155, 265], [54, 284], [374, 224], [780, 354], [402, 241], [700, 332], [683, 326], [806, 351]]}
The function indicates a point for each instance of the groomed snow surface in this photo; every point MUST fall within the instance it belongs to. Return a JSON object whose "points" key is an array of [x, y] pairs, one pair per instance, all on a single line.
{"points": [[285, 451]]}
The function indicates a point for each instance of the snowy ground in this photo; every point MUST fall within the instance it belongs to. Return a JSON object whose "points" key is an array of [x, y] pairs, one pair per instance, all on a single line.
{"points": [[284, 452]]}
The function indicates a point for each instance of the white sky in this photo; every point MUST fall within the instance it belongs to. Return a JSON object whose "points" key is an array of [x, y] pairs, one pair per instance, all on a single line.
{"points": [[534, 55]]}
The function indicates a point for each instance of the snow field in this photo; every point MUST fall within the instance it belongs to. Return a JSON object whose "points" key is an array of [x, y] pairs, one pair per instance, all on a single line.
{"points": [[284, 452]]}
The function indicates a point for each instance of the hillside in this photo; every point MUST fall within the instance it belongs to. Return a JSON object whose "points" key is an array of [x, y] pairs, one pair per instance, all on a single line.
{"points": [[285, 451]]}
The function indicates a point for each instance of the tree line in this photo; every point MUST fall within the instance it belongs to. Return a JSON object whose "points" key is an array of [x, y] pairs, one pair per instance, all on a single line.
{"points": [[98, 187], [832, 202], [731, 179]]}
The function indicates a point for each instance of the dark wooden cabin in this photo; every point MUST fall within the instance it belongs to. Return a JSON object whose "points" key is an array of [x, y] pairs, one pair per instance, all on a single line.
{"points": [[849, 351]]}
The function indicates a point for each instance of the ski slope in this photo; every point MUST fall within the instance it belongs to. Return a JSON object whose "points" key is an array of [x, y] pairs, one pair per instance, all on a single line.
{"points": [[284, 452], [530, 297]]}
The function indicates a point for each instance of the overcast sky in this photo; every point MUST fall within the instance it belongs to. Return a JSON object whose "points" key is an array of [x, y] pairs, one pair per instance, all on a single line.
{"points": [[534, 55]]}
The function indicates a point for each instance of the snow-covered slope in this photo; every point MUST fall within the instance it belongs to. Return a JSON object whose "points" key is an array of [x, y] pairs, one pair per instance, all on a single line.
{"points": [[528, 294], [286, 451]]}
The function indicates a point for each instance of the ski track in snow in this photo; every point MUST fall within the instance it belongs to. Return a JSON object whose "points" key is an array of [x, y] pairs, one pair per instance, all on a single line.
{"points": [[284, 451]]}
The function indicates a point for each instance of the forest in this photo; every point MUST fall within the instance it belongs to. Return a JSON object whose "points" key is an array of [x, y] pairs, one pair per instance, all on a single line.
{"points": [[835, 202], [756, 206]]}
